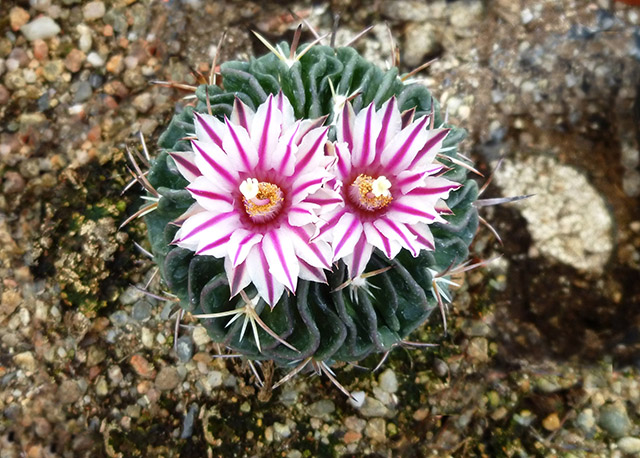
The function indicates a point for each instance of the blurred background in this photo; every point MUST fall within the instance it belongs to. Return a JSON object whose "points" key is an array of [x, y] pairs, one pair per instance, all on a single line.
{"points": [[543, 351]]}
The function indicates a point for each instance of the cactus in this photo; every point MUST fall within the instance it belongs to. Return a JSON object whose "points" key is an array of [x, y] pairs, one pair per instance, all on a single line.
{"points": [[346, 318]]}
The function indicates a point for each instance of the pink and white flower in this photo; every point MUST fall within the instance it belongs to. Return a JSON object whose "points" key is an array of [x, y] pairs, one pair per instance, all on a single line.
{"points": [[257, 179], [387, 178]]}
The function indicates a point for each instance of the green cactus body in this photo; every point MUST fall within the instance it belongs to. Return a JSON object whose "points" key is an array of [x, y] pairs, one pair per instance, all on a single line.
{"points": [[322, 321]]}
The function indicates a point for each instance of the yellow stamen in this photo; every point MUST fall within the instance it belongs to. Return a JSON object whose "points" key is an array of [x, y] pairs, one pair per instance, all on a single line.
{"points": [[261, 200], [371, 194]]}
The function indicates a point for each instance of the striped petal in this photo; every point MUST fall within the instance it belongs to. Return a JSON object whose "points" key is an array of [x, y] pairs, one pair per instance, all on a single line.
{"points": [[346, 125], [311, 273], [266, 128], [209, 128], [423, 235], [238, 276], [281, 256], [209, 196], [367, 127], [284, 106], [345, 235], [391, 123], [239, 147], [343, 165], [240, 244], [310, 154], [186, 163], [399, 232], [401, 150], [306, 184], [317, 253], [258, 269], [242, 114], [389, 247], [412, 210], [357, 261], [215, 165], [428, 152]]}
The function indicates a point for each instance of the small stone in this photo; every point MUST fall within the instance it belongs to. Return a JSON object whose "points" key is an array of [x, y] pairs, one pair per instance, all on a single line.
{"points": [[586, 421], [147, 337], [95, 356], [376, 429], [115, 374], [629, 445], [475, 328], [42, 27], [526, 16], [614, 419], [388, 381], [420, 43], [440, 368], [407, 10], [141, 310], [52, 70], [167, 379], [184, 349], [322, 408], [478, 349], [282, 430], [93, 10], [83, 92], [13, 183], [101, 387], [40, 49], [373, 408], [84, 38], [4, 95], [95, 59], [119, 318], [357, 399], [215, 379], [143, 102], [115, 65], [69, 392], [74, 60], [551, 422], [18, 17], [141, 366], [25, 361], [200, 336], [351, 437]]}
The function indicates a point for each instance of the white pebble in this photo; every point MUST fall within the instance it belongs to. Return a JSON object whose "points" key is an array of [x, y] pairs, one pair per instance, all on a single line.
{"points": [[40, 28]]}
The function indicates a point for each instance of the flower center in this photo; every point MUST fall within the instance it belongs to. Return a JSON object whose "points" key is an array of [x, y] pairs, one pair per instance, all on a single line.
{"points": [[262, 201], [369, 193]]}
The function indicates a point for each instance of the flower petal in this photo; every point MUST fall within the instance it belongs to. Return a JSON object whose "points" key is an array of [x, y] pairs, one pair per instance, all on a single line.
{"points": [[397, 231], [345, 235], [215, 165], [346, 125], [357, 261], [208, 128], [391, 123], [209, 196], [311, 273], [317, 253], [285, 107], [411, 210], [343, 165], [186, 163], [238, 277], [242, 114], [280, 254], [389, 247], [428, 152], [423, 236], [402, 148], [265, 132], [240, 244], [239, 148], [367, 127], [268, 287], [310, 154]]}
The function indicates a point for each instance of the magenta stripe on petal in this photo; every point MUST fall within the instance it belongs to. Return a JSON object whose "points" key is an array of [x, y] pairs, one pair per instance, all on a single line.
{"points": [[395, 228], [241, 243], [325, 201], [262, 146], [307, 184], [407, 117], [404, 149], [207, 224], [243, 154], [241, 113], [347, 234], [302, 163], [306, 239], [358, 256], [288, 152], [421, 239], [214, 244], [412, 211], [432, 142], [386, 122], [188, 165], [214, 165], [366, 142], [208, 129], [280, 253], [317, 272], [238, 274], [346, 125], [209, 194], [329, 224], [426, 191], [268, 278]]}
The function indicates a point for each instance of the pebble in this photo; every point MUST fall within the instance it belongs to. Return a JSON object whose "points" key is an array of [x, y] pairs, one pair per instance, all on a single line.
{"points": [[283, 430], [143, 102], [115, 64], [629, 445], [184, 349], [83, 92], [42, 27], [406, 10], [551, 422], [69, 392], [376, 429], [147, 337], [200, 336], [322, 408], [189, 420], [420, 42], [25, 361], [102, 388], [351, 437], [52, 70], [167, 379], [95, 59], [95, 355], [357, 399], [84, 38], [478, 349], [142, 309], [115, 374], [119, 318], [4, 95], [214, 378], [13, 183], [93, 10], [141, 366], [388, 381], [373, 408], [440, 368], [614, 419], [18, 17], [74, 60]]}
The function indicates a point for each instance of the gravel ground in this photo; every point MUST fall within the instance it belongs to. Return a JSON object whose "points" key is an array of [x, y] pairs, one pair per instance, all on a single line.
{"points": [[543, 353]]}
